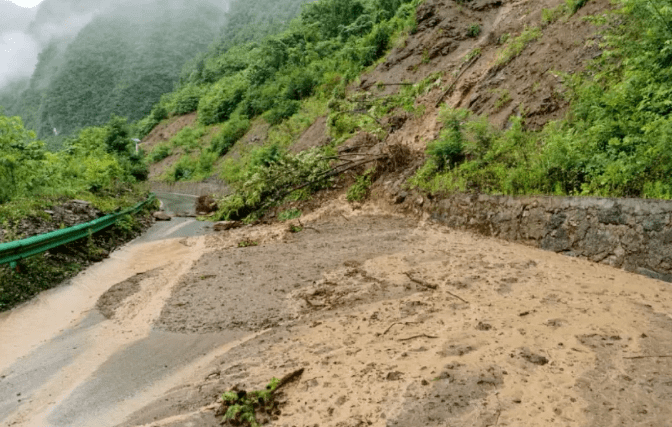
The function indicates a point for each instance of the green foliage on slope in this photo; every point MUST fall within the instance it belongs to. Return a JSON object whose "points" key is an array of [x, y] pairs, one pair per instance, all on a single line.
{"points": [[318, 54], [616, 140], [99, 165]]}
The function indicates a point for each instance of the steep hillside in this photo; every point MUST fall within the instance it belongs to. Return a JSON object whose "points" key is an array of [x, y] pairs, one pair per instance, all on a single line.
{"points": [[501, 97]]}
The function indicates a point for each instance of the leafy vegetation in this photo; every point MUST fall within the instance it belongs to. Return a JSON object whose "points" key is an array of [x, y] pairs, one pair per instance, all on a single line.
{"points": [[289, 214], [98, 162], [360, 189], [243, 406], [616, 140], [270, 176]]}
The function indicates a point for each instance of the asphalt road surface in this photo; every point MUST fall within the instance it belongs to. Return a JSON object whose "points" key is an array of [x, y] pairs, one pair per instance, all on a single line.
{"points": [[62, 363]]}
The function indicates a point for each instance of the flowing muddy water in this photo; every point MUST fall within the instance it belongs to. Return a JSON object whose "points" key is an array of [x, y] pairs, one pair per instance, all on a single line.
{"points": [[63, 363]]}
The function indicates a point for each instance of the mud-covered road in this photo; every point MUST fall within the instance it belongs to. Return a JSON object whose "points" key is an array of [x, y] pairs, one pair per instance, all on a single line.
{"points": [[63, 363], [396, 322]]}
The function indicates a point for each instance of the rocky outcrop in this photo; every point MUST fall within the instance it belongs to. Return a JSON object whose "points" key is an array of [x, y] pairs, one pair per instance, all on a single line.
{"points": [[633, 234]]}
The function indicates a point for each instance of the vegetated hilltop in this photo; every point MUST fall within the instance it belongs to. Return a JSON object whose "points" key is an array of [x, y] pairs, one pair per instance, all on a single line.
{"points": [[550, 97], [121, 61]]}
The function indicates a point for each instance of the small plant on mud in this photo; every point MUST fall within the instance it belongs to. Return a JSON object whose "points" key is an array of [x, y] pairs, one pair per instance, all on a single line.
{"points": [[360, 189], [242, 406], [289, 214], [503, 99], [247, 243], [474, 30], [295, 228], [471, 55]]}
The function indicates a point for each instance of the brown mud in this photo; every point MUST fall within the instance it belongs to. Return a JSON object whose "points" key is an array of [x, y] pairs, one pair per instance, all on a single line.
{"points": [[401, 323]]}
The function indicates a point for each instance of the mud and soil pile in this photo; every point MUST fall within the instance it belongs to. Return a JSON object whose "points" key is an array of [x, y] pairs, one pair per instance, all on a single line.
{"points": [[404, 323]]}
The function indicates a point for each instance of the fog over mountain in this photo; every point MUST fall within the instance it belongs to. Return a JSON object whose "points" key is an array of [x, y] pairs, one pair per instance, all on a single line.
{"points": [[73, 63]]}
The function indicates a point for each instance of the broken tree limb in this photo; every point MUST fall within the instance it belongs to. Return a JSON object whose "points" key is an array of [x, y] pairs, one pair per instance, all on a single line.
{"points": [[419, 336], [391, 326], [288, 379], [394, 324], [649, 357], [457, 78], [421, 282], [458, 297]]}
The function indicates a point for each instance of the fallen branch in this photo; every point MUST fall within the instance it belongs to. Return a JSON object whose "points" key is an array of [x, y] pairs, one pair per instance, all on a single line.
{"points": [[649, 357], [419, 336], [421, 282], [288, 379], [457, 78], [394, 324], [328, 174], [388, 329], [308, 227], [394, 84], [458, 297], [311, 304]]}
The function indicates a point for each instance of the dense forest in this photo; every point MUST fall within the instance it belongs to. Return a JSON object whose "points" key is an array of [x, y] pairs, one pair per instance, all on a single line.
{"points": [[120, 63]]}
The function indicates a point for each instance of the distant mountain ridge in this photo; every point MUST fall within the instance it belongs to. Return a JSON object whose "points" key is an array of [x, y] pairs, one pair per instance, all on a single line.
{"points": [[118, 57]]}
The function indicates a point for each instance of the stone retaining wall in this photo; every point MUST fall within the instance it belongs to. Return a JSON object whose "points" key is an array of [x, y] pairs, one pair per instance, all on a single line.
{"points": [[633, 234]]}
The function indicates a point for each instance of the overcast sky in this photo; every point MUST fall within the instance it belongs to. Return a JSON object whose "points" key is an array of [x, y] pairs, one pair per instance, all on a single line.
{"points": [[26, 3]]}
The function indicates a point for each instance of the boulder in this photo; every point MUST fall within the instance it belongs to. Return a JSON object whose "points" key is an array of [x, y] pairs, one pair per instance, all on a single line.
{"points": [[161, 216]]}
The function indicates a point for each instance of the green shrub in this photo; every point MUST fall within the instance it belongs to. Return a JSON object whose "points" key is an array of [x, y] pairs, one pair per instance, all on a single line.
{"points": [[188, 138], [474, 30], [269, 176], [448, 149], [160, 152], [234, 129], [221, 99], [186, 100], [289, 214], [360, 189], [283, 110], [573, 6]]}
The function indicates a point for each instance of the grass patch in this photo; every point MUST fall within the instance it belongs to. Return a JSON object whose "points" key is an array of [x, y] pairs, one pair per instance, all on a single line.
{"points": [[514, 47], [247, 243], [361, 188], [289, 214], [159, 152]]}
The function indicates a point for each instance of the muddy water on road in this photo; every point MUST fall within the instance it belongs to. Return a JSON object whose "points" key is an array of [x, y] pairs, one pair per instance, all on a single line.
{"points": [[62, 363]]}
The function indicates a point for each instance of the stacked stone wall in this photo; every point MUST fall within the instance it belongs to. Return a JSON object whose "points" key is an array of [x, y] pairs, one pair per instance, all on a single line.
{"points": [[632, 234]]}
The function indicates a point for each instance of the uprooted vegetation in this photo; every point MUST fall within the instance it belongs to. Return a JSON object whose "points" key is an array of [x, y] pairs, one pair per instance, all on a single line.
{"points": [[591, 122], [254, 408]]}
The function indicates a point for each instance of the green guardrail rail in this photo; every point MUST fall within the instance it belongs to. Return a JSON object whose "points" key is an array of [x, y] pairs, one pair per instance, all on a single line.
{"points": [[12, 252]]}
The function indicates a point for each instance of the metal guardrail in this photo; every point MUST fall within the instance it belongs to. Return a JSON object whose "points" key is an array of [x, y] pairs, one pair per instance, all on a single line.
{"points": [[21, 249]]}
